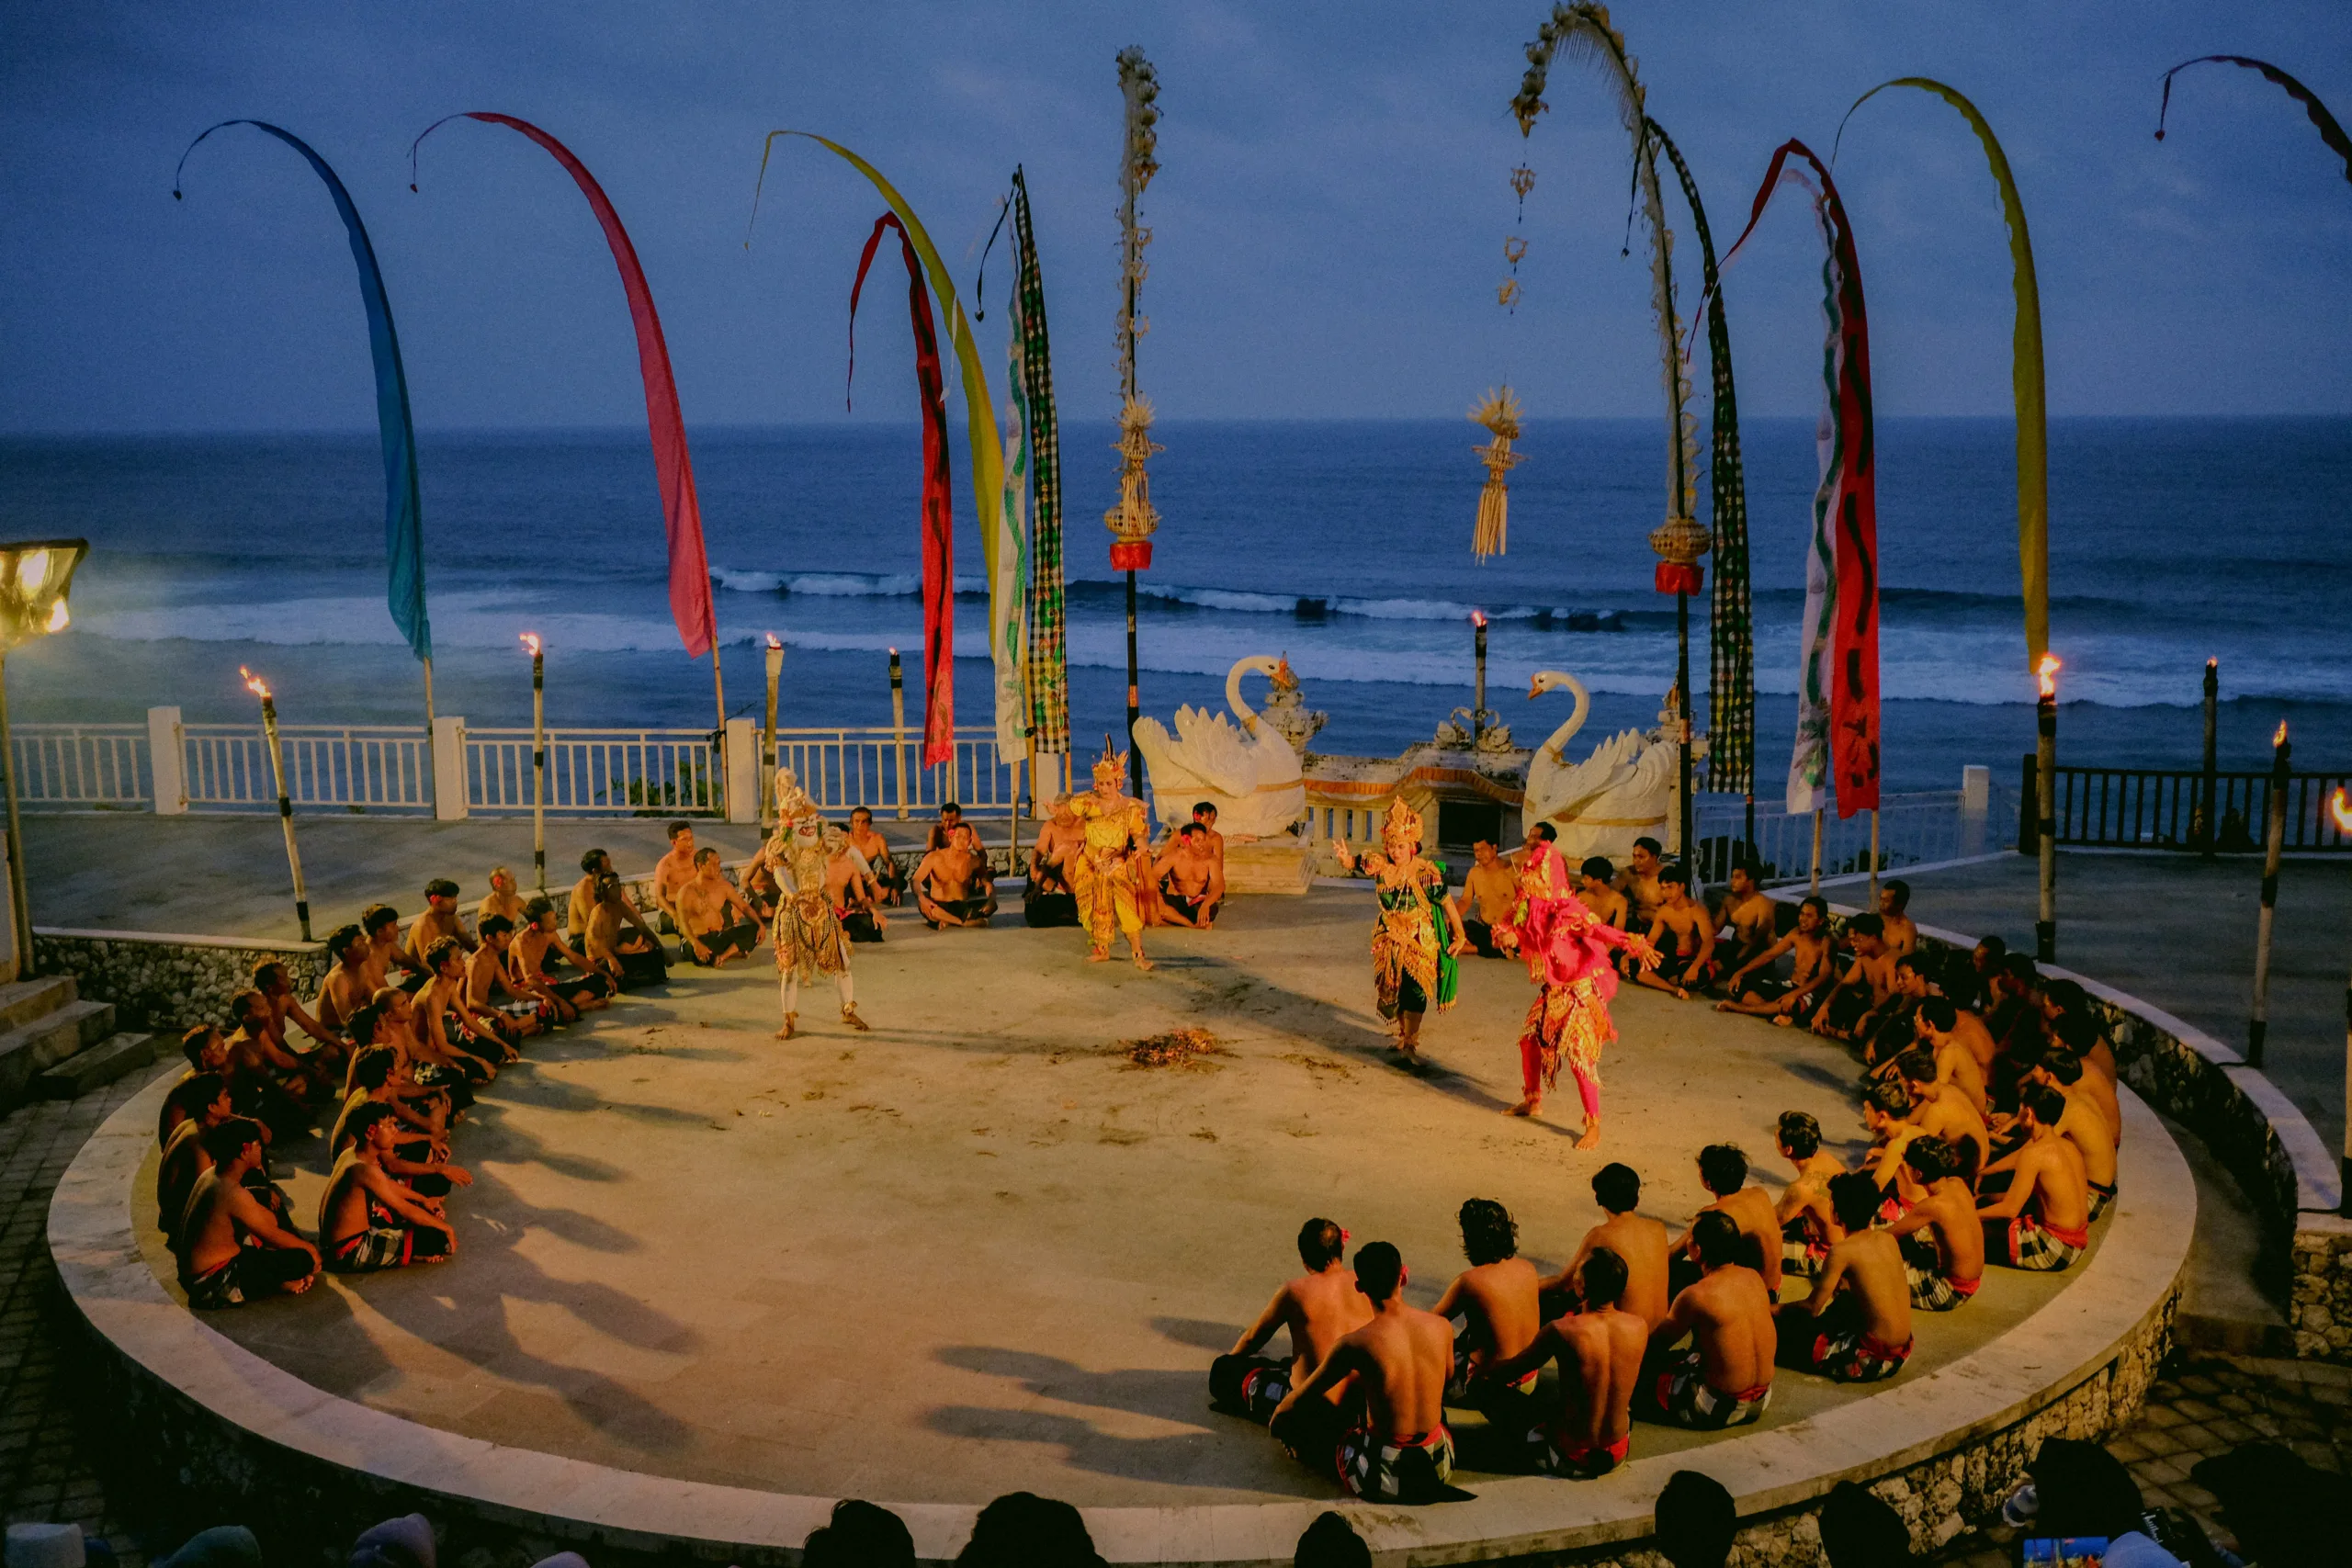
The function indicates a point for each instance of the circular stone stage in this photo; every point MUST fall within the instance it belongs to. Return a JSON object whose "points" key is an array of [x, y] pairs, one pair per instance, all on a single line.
{"points": [[708, 1282]]}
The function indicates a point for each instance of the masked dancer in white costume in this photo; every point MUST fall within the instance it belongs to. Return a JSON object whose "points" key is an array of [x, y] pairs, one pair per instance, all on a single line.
{"points": [[810, 940]]}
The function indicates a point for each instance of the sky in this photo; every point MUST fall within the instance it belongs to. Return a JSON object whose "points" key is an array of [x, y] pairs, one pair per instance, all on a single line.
{"points": [[1327, 222]]}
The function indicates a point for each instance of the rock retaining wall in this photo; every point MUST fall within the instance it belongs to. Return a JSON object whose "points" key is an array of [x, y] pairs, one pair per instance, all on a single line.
{"points": [[158, 981]]}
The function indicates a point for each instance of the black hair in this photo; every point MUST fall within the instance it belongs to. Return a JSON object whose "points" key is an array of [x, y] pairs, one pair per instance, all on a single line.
{"points": [[245, 1004], [2046, 1104], [376, 916], [1201, 806], [341, 939], [371, 1067], [1695, 1520], [1939, 1014], [1855, 1198], [2064, 1067], [1888, 1096], [540, 905], [1675, 873], [1931, 1159], [2084, 1490], [2018, 966], [1901, 891], [196, 1093], [1860, 1529], [1022, 1529], [866, 812], [493, 925], [445, 947], [1744, 867], [194, 1040], [859, 1535], [1995, 947], [1598, 866], [1893, 1036], [355, 1126], [1818, 904], [440, 888], [1380, 1269], [1488, 1233], [266, 967], [226, 1140], [1546, 832], [1646, 842], [948, 805], [1190, 827], [365, 1020], [2067, 996], [1916, 1066], [1716, 1239], [1331, 1542], [678, 827], [1722, 1168], [1800, 1133], [1617, 1187], [1321, 1242], [1602, 1282], [705, 855], [1917, 961], [2079, 1032], [1866, 925], [590, 861]]}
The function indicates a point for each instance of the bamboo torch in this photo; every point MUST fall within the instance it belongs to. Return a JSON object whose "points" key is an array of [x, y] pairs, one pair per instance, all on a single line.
{"points": [[2340, 807], [1478, 692], [2209, 822], [538, 759], [2045, 791], [767, 748], [899, 725], [2274, 841], [260, 688]]}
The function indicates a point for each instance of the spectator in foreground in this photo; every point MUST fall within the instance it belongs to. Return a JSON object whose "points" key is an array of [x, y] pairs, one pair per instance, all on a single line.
{"points": [[859, 1535], [1860, 1529], [1695, 1520], [403, 1543], [2085, 1491], [1022, 1529], [223, 1546], [1331, 1542]]}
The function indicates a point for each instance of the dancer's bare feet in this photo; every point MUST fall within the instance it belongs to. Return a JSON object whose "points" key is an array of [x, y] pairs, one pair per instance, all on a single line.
{"points": [[1591, 1138], [1527, 1107], [791, 1026], [1146, 965], [1098, 956], [848, 1016]]}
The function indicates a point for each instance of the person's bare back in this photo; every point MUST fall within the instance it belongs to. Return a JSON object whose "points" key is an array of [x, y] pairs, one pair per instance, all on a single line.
{"points": [[1729, 1312], [1499, 1300], [1603, 1346], [1643, 1244], [1759, 1218]]}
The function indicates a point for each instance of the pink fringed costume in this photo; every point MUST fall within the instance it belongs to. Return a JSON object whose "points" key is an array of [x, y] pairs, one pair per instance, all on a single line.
{"points": [[1568, 953]]}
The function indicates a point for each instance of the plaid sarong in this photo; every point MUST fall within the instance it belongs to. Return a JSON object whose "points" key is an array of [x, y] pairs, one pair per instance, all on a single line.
{"points": [[1033, 385]]}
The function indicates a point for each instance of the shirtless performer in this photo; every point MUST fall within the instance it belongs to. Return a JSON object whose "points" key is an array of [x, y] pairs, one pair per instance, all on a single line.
{"points": [[527, 963], [1937, 1026], [1902, 932], [1752, 919], [230, 1247], [1723, 1170], [948, 888], [1497, 1297], [2084, 1125], [1488, 891], [1857, 1325], [1191, 878], [369, 1221], [700, 905], [672, 872], [1945, 1111], [276, 984], [184, 1158], [348, 984], [2042, 1221], [1726, 1378], [1943, 1244], [619, 941], [810, 940], [888, 874], [1320, 1308], [1969, 1031], [1812, 967], [1110, 873], [1638, 883], [504, 899], [444, 1013], [266, 1080], [1049, 900], [1205, 813], [1401, 1453], [588, 892], [1886, 1116], [1599, 1348], [857, 898], [491, 988], [1808, 1224], [386, 956], [440, 919], [1684, 933], [1640, 1243], [1864, 985]]}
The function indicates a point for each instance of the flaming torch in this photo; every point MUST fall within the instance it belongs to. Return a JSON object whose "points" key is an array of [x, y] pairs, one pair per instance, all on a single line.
{"points": [[899, 725], [2340, 809], [2045, 805], [260, 688], [767, 777], [1479, 696], [2274, 841], [538, 759]]}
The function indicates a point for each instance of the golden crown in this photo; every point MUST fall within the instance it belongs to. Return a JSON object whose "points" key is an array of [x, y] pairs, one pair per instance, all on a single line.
{"points": [[1112, 767]]}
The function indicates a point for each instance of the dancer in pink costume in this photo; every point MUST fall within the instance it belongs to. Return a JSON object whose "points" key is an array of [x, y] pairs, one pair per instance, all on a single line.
{"points": [[1567, 954]]}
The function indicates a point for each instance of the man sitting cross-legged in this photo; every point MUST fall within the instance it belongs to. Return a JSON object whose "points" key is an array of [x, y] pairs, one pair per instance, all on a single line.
{"points": [[323, 1059], [1723, 1170], [1726, 1378], [1937, 1027], [349, 984], [673, 871], [440, 921], [386, 957], [1857, 1326], [537, 945], [1753, 988], [1049, 900], [947, 883], [184, 1158], [419, 1156], [269, 1082], [1599, 1348], [207, 1051], [230, 1247], [1499, 1297], [2044, 1221], [1684, 933], [619, 941], [438, 1066], [889, 878], [1639, 1241], [443, 1014], [1190, 879], [701, 908], [1944, 1110], [1320, 1308], [855, 895], [1489, 892], [2084, 1125], [1753, 920], [491, 988], [367, 1220], [504, 897], [1401, 1453], [1808, 1222], [1943, 1244]]}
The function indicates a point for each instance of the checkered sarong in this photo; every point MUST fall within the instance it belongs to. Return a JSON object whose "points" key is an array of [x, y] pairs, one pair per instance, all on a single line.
{"points": [[1048, 657]]}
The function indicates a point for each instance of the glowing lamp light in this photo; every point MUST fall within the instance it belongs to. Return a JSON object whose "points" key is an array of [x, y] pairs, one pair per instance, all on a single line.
{"points": [[532, 645], [2339, 806], [1478, 618], [254, 683], [35, 577], [2046, 673], [775, 641], [2278, 738]]}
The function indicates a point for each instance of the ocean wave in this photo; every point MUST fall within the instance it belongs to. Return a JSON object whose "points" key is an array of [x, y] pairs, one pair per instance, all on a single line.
{"points": [[1317, 607], [835, 584]]}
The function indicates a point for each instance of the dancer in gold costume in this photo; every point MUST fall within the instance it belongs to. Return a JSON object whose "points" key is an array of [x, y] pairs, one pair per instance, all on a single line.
{"points": [[1419, 930], [810, 940], [1112, 872]]}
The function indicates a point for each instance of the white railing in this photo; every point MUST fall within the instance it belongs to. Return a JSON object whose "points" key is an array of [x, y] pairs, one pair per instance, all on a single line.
{"points": [[365, 768], [603, 772], [80, 766], [1914, 829], [847, 768]]}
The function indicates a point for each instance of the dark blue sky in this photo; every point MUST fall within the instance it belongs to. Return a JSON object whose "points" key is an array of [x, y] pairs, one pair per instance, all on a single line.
{"points": [[1328, 219]]}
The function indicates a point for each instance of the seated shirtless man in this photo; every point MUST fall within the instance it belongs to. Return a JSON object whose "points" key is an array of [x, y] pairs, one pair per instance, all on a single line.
{"points": [[1599, 1348], [590, 893], [1639, 882], [230, 1247], [527, 961], [1050, 900], [184, 1158], [889, 875], [367, 1220], [1752, 987], [1597, 891], [619, 941], [323, 1057], [443, 1014], [1902, 933], [1401, 1453], [1886, 1117], [267, 1080], [856, 896], [1753, 920], [672, 872], [504, 897], [1684, 933], [2044, 1221], [700, 907], [1865, 985], [1808, 1222], [948, 887], [1943, 1244], [440, 919], [490, 982], [1191, 878], [1726, 1378], [1945, 1111], [1640, 1243], [2084, 1125], [1857, 1325], [1723, 1170], [1498, 1297], [419, 1153], [1320, 1307], [1939, 1026], [348, 984], [387, 962], [1489, 892]]}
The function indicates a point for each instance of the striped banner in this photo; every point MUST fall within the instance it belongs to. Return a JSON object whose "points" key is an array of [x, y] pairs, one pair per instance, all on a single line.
{"points": [[1033, 394]]}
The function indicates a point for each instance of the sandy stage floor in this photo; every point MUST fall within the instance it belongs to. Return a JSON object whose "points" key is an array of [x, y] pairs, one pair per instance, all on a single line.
{"points": [[979, 1250]]}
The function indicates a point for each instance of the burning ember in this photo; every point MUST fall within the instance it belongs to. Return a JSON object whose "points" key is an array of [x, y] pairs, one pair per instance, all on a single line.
{"points": [[1174, 1049], [2046, 673]]}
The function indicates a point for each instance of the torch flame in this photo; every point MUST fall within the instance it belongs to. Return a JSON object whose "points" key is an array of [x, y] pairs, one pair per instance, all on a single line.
{"points": [[2280, 738], [2046, 673], [2340, 807], [1479, 618], [531, 641], [775, 641], [254, 683]]}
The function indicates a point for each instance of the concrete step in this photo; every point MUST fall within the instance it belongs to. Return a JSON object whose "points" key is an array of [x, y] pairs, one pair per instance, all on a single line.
{"points": [[99, 1064], [30, 1049], [21, 1002]]}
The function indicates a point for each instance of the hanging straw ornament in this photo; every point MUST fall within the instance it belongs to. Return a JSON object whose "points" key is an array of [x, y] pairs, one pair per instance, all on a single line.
{"points": [[1498, 411]]}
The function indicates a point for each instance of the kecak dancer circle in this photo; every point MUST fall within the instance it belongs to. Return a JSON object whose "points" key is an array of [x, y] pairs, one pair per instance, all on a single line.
{"points": [[1111, 874], [810, 940], [1568, 955], [1417, 932]]}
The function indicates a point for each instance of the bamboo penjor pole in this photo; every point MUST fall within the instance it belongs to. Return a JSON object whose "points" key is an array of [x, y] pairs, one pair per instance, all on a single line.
{"points": [[260, 688]]}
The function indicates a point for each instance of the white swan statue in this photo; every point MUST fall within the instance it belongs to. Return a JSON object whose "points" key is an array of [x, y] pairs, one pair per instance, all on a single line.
{"points": [[1250, 773], [1598, 806]]}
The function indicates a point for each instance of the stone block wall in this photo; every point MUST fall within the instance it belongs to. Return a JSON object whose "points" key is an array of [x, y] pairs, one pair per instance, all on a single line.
{"points": [[158, 981], [2320, 1307]]}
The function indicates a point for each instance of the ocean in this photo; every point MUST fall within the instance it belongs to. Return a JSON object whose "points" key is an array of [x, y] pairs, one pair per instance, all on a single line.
{"points": [[1344, 545]]}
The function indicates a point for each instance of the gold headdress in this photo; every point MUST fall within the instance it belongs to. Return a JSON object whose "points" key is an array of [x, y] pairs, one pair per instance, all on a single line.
{"points": [[792, 802], [1112, 767], [1400, 831]]}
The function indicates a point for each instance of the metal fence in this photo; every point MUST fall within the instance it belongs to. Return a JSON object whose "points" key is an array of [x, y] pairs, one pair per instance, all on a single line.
{"points": [[602, 773], [1914, 829], [2167, 809], [364, 769], [82, 767], [845, 768]]}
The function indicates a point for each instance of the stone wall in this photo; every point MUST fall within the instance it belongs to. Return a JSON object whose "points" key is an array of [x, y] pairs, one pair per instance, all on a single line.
{"points": [[2320, 1307], [158, 981]]}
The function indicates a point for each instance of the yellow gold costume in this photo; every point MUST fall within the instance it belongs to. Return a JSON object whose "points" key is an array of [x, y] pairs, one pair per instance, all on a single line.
{"points": [[1108, 879]]}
